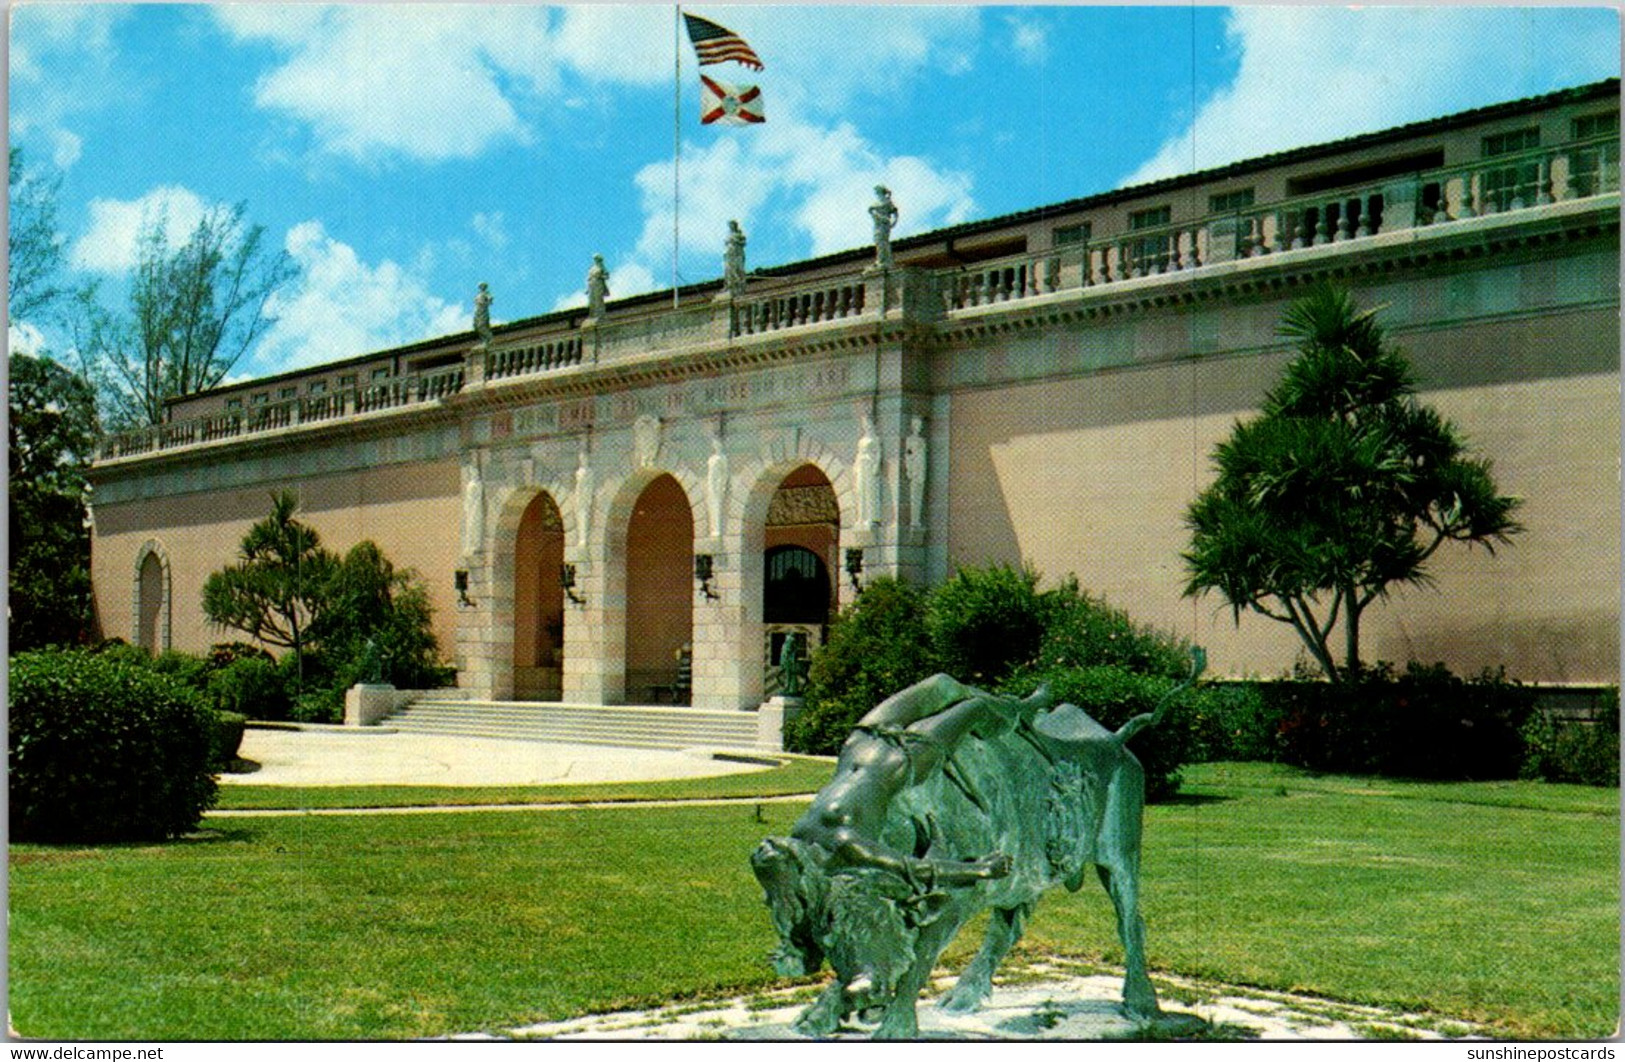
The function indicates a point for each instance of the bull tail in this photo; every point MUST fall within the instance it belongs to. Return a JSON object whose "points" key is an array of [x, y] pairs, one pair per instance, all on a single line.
{"points": [[1152, 718]]}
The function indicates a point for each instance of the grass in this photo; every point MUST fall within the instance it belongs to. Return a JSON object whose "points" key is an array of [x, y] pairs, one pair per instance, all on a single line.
{"points": [[1467, 902], [798, 775]]}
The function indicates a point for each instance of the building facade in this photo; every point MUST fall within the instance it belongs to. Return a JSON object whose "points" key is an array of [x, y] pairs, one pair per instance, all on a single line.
{"points": [[636, 502]]}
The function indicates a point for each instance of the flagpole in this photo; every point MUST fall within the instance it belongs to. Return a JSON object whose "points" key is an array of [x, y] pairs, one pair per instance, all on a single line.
{"points": [[676, 142]]}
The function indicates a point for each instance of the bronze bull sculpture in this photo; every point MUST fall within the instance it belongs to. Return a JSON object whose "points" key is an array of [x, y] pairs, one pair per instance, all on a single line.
{"points": [[947, 800]]}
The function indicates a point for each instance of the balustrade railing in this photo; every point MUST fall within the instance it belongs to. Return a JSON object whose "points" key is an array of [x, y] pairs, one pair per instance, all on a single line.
{"points": [[533, 357], [271, 416], [830, 300]]}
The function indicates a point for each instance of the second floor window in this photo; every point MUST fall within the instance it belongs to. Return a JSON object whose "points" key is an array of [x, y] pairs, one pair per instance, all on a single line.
{"points": [[1594, 169], [1149, 254], [1225, 202], [1517, 184], [1071, 235]]}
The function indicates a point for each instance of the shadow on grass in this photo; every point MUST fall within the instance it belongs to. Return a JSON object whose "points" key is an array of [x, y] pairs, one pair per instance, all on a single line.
{"points": [[1191, 800]]}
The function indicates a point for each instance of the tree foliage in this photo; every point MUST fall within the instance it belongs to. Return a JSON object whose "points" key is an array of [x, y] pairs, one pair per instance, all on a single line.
{"points": [[52, 427], [351, 619], [194, 310], [1341, 490], [34, 241], [276, 591]]}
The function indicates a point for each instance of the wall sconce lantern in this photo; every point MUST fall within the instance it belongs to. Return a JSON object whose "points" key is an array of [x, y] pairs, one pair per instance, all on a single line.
{"points": [[459, 579], [854, 567], [704, 571], [567, 583]]}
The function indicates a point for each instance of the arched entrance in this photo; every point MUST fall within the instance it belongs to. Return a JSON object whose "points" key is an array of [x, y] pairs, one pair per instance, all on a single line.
{"points": [[660, 595], [152, 599], [538, 603], [800, 559]]}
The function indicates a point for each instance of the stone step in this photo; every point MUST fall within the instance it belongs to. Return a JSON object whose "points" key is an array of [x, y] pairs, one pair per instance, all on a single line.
{"points": [[627, 726]]}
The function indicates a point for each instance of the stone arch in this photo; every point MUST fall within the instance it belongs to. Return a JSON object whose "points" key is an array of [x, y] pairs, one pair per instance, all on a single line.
{"points": [[151, 611], [647, 582], [501, 585], [765, 478]]}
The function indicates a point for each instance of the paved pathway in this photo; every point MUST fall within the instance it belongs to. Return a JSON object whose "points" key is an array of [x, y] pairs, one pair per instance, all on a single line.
{"points": [[1053, 1000], [331, 756]]}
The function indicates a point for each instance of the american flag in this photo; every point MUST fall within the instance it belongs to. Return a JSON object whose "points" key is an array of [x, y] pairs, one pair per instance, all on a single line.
{"points": [[713, 44]]}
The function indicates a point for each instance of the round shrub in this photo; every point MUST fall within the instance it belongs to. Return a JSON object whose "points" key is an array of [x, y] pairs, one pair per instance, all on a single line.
{"points": [[251, 686], [876, 647], [103, 750], [1114, 695], [227, 735], [984, 622], [1085, 631]]}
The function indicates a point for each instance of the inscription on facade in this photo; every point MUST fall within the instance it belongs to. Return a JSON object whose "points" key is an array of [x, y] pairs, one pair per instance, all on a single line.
{"points": [[576, 414]]}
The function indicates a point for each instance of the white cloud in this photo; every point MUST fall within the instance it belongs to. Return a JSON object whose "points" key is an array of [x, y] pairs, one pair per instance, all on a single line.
{"points": [[1313, 74], [109, 244], [341, 306], [1029, 39], [815, 183], [492, 228], [44, 38], [629, 44], [428, 82], [66, 147], [24, 338], [443, 82]]}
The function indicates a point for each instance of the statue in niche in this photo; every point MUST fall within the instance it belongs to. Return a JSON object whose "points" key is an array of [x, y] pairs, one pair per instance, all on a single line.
{"points": [[733, 261], [646, 440], [482, 315], [473, 508], [914, 466], [597, 286], [866, 472], [583, 500], [716, 485], [792, 665], [947, 801], [884, 213]]}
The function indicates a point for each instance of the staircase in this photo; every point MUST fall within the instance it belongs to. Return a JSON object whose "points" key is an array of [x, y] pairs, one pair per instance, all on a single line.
{"points": [[624, 726]]}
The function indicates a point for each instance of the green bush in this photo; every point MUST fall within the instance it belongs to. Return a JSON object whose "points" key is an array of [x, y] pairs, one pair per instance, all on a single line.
{"points": [[1113, 695], [250, 686], [183, 667], [877, 646], [222, 654], [324, 705], [1234, 721], [1581, 752], [226, 739], [1085, 631], [1425, 723], [984, 622], [104, 750]]}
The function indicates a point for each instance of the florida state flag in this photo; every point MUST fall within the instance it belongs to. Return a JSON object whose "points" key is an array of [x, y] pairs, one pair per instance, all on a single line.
{"points": [[725, 104]]}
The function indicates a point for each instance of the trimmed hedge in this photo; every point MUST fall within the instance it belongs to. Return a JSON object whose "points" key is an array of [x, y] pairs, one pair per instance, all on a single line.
{"points": [[104, 750]]}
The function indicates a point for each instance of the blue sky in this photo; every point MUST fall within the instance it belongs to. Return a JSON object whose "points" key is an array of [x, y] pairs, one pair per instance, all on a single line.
{"points": [[404, 153]]}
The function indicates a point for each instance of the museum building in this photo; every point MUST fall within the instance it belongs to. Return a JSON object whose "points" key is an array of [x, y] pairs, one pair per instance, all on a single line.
{"points": [[637, 502]]}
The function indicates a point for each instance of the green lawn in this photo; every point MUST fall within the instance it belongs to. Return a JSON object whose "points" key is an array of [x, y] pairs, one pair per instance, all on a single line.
{"points": [[1497, 904], [798, 775]]}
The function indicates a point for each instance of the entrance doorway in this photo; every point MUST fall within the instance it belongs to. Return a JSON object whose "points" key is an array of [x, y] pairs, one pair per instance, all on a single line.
{"points": [[660, 595], [538, 603], [800, 557]]}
